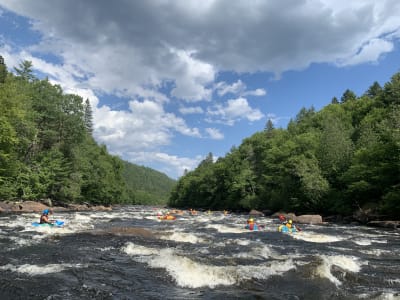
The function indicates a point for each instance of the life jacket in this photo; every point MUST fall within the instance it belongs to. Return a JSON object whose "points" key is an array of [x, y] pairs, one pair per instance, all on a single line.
{"points": [[43, 219]]}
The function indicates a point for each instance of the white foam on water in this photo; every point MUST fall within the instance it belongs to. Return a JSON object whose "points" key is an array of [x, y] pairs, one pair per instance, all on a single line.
{"points": [[133, 250], [189, 273], [383, 296], [106, 249], [362, 242], [24, 242], [349, 263], [242, 242], [183, 237], [376, 252], [379, 241], [313, 237], [37, 269], [225, 229]]}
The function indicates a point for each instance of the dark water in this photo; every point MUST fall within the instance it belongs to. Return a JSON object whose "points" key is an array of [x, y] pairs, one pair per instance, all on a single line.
{"points": [[129, 254]]}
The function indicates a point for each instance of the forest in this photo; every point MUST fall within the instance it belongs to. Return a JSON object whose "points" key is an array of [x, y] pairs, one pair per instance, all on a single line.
{"points": [[333, 161], [47, 149]]}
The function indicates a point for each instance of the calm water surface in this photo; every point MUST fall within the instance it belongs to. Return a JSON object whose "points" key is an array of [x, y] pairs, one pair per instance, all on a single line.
{"points": [[130, 254]]}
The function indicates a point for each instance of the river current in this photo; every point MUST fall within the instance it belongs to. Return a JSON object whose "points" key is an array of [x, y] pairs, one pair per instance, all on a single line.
{"points": [[128, 253]]}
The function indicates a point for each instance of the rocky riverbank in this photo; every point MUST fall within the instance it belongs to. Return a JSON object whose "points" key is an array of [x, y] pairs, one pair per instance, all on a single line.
{"points": [[38, 206], [361, 217]]}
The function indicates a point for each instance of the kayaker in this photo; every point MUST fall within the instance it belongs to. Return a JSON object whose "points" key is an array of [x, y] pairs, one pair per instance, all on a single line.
{"points": [[44, 218], [251, 225], [292, 226]]}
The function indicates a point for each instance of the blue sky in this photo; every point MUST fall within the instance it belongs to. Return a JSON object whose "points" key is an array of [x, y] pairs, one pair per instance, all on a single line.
{"points": [[172, 80]]}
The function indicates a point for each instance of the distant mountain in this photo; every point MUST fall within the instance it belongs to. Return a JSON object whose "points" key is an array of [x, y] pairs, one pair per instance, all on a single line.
{"points": [[147, 185]]}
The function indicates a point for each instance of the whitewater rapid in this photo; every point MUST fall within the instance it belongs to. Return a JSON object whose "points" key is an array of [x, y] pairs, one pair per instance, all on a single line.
{"points": [[129, 253]]}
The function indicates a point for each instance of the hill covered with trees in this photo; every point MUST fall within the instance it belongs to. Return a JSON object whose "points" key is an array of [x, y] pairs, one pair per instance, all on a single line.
{"points": [[47, 149], [147, 185], [333, 161]]}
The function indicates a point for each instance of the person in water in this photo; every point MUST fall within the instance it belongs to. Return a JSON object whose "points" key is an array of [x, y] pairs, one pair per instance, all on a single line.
{"points": [[44, 218], [251, 225], [292, 227]]}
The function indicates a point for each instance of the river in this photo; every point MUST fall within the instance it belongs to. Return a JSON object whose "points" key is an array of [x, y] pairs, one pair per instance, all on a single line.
{"points": [[129, 254]]}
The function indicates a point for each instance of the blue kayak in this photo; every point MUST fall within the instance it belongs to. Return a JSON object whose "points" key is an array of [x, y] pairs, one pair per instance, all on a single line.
{"points": [[57, 223], [284, 228]]}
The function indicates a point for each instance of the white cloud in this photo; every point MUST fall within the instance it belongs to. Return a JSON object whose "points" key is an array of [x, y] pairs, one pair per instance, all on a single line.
{"points": [[191, 110], [129, 44], [234, 110], [256, 92], [145, 126], [237, 88], [370, 52], [192, 78], [214, 133], [169, 164]]}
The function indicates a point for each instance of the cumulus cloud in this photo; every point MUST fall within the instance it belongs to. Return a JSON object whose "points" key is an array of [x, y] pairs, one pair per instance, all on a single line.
{"points": [[145, 126], [371, 52], [191, 110], [169, 164], [252, 36], [214, 133], [234, 110], [237, 88]]}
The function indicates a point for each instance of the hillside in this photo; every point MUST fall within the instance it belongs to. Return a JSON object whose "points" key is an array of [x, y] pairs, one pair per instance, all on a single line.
{"points": [[47, 150], [341, 159], [148, 186]]}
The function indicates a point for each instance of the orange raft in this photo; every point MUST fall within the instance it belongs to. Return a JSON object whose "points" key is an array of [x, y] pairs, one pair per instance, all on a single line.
{"points": [[167, 217]]}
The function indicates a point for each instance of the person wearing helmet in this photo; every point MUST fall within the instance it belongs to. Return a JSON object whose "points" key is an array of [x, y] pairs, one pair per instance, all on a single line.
{"points": [[44, 218], [251, 225], [289, 224]]}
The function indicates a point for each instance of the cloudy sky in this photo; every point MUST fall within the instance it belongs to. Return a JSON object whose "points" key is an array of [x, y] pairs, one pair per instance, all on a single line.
{"points": [[172, 80]]}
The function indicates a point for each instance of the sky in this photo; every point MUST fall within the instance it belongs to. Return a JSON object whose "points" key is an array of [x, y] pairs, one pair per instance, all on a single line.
{"points": [[171, 81]]}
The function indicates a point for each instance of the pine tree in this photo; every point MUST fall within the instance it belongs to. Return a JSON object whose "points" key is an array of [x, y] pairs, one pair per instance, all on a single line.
{"points": [[88, 117], [25, 71]]}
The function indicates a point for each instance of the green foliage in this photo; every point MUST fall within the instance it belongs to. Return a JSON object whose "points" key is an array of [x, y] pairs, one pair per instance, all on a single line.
{"points": [[345, 156], [3, 70], [47, 151], [145, 185]]}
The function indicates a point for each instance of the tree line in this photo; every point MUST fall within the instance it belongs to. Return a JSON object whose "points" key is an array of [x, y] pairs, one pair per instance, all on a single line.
{"points": [[47, 149], [333, 161]]}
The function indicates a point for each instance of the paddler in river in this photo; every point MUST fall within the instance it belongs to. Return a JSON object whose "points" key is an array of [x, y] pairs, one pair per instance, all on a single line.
{"points": [[44, 218], [251, 225]]}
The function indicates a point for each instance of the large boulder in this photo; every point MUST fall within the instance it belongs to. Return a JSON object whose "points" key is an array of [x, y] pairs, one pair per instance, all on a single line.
{"points": [[27, 206], [5, 206], [308, 219], [256, 213]]}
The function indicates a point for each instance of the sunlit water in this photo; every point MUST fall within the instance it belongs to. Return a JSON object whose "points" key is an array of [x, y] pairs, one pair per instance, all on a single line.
{"points": [[130, 254]]}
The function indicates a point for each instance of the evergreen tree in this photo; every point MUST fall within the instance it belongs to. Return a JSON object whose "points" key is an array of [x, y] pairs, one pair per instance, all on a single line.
{"points": [[25, 71], [374, 90], [88, 117], [334, 100], [348, 95]]}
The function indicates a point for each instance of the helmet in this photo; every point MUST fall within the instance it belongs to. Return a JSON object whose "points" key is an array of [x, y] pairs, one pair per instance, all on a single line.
{"points": [[290, 221], [282, 217], [46, 212], [251, 220]]}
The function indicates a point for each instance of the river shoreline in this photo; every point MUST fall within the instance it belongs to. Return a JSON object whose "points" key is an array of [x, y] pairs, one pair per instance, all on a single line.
{"points": [[16, 207]]}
